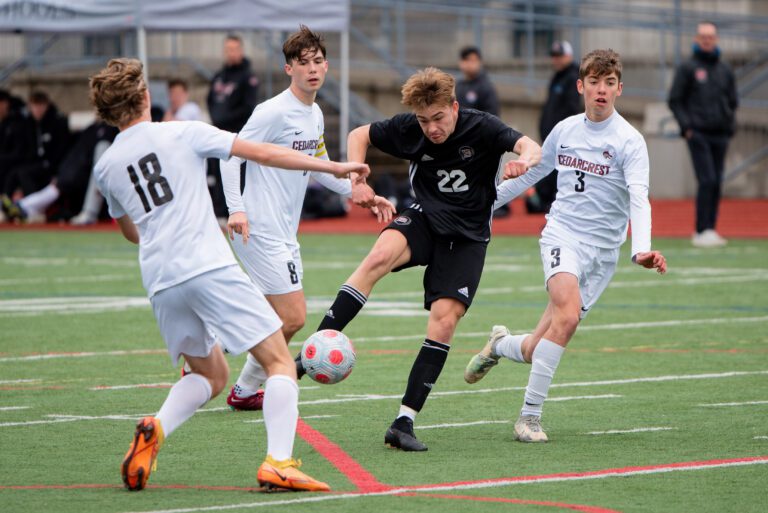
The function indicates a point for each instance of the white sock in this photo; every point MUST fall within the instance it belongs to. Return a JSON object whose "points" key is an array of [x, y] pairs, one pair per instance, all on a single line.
{"points": [[251, 377], [546, 356], [38, 202], [511, 346], [281, 412], [186, 396], [407, 412]]}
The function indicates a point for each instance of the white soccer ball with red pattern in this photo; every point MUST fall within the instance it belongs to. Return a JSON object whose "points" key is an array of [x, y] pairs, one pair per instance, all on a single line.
{"points": [[328, 356]]}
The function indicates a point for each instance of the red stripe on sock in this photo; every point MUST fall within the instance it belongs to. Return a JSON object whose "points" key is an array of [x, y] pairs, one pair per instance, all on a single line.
{"points": [[357, 475], [563, 505]]}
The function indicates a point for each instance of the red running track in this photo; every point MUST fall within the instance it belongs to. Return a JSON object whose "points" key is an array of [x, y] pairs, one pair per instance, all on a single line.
{"points": [[739, 218]]}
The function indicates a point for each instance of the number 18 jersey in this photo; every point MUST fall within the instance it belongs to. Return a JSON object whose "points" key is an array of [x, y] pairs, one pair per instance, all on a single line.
{"points": [[155, 174]]}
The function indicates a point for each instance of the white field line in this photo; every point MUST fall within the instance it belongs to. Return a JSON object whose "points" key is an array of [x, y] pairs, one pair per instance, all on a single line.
{"points": [[760, 438], [13, 408], [309, 417], [18, 381], [35, 422], [653, 379], [467, 486], [68, 279], [84, 354], [593, 327], [463, 424], [128, 387], [635, 430], [745, 403]]}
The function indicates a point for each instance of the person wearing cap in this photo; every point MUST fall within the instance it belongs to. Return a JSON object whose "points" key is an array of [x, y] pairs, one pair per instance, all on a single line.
{"points": [[475, 90], [703, 99], [563, 100]]}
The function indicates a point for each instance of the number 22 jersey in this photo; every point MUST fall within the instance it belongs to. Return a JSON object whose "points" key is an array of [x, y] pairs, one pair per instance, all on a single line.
{"points": [[455, 181], [155, 173]]}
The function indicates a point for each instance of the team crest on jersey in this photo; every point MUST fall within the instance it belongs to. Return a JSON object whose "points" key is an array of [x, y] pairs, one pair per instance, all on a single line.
{"points": [[701, 74], [607, 155], [403, 220], [466, 152]]}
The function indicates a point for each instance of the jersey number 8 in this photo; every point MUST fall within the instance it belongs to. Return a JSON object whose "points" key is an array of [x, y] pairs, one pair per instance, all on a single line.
{"points": [[154, 180]]}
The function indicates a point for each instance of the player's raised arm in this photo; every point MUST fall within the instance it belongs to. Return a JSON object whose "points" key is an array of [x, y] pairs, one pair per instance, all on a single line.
{"points": [[277, 156], [529, 155]]}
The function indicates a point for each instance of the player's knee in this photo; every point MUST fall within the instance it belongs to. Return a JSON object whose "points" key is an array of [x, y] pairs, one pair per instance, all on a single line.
{"points": [[218, 378], [378, 261], [292, 324], [566, 323]]}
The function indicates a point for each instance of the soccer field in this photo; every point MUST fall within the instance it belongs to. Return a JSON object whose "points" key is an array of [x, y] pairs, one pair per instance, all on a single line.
{"points": [[660, 403]]}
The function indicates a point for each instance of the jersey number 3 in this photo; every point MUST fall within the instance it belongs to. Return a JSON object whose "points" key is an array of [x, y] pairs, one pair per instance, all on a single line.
{"points": [[154, 180], [452, 181]]}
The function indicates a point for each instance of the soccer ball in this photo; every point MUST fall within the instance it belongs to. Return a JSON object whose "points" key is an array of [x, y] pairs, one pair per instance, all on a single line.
{"points": [[328, 356]]}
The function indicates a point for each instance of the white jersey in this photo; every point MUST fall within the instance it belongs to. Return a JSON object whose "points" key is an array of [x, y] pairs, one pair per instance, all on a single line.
{"points": [[273, 197], [601, 167], [155, 173]]}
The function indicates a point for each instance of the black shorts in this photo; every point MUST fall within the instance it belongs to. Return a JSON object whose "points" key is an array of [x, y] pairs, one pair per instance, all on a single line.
{"points": [[454, 267]]}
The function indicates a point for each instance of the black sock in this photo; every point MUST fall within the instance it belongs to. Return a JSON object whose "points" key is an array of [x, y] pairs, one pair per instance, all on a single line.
{"points": [[424, 373], [348, 303]]}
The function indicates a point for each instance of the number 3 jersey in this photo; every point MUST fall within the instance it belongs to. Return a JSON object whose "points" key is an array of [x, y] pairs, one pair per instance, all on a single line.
{"points": [[455, 181], [155, 174], [603, 175]]}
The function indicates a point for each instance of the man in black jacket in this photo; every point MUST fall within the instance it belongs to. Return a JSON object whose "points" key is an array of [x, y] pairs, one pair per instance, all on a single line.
{"points": [[703, 99], [231, 99], [563, 100], [475, 90]]}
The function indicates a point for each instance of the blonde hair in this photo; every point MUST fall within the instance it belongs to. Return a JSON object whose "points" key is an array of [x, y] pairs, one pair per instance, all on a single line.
{"points": [[118, 91], [600, 63], [428, 87]]}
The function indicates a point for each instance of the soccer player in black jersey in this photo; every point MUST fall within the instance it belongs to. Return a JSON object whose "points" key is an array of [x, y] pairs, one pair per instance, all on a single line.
{"points": [[455, 163]]}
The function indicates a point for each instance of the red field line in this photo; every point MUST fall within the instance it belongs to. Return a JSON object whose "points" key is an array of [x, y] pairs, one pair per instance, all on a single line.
{"points": [[562, 505], [338, 457], [738, 218]]}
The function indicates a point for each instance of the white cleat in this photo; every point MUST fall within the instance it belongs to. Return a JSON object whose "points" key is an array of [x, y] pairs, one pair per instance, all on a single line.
{"points": [[528, 429], [708, 239], [486, 359]]}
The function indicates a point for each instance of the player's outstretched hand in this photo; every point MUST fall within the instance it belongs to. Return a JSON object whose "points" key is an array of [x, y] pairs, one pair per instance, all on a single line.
{"points": [[238, 223], [362, 194], [651, 260], [515, 168], [383, 208], [343, 169]]}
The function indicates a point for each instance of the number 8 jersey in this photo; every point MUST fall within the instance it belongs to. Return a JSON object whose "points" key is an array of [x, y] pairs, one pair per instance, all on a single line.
{"points": [[155, 174], [455, 181]]}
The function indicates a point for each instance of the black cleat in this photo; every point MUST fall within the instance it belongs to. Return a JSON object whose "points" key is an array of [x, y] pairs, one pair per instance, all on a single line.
{"points": [[300, 370], [400, 436]]}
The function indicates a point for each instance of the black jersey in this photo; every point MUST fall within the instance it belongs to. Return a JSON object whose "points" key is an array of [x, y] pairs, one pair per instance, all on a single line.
{"points": [[454, 182]]}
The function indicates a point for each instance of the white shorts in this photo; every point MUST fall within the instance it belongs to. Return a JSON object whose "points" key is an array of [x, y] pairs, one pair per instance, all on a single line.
{"points": [[221, 304], [274, 266], [592, 266]]}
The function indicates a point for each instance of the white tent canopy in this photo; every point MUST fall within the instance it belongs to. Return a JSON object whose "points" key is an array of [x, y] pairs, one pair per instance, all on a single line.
{"points": [[98, 16]]}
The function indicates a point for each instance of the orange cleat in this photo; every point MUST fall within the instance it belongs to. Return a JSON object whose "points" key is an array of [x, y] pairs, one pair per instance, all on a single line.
{"points": [[285, 475], [141, 458]]}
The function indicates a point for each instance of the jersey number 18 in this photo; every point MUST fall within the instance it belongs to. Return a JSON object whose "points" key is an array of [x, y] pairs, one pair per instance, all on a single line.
{"points": [[154, 181]]}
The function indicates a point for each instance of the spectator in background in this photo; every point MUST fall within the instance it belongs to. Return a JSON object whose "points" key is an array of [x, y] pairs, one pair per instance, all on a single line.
{"points": [[475, 90], [231, 100], [703, 99], [563, 100], [71, 185], [181, 108], [44, 142], [11, 120]]}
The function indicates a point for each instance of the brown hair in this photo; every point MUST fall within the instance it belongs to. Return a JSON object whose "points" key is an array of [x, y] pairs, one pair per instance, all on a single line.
{"points": [[118, 90], [600, 63], [427, 87], [302, 41], [178, 82]]}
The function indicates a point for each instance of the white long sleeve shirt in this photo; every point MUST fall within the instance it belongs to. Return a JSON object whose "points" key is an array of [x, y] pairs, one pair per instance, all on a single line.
{"points": [[272, 197], [602, 182]]}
